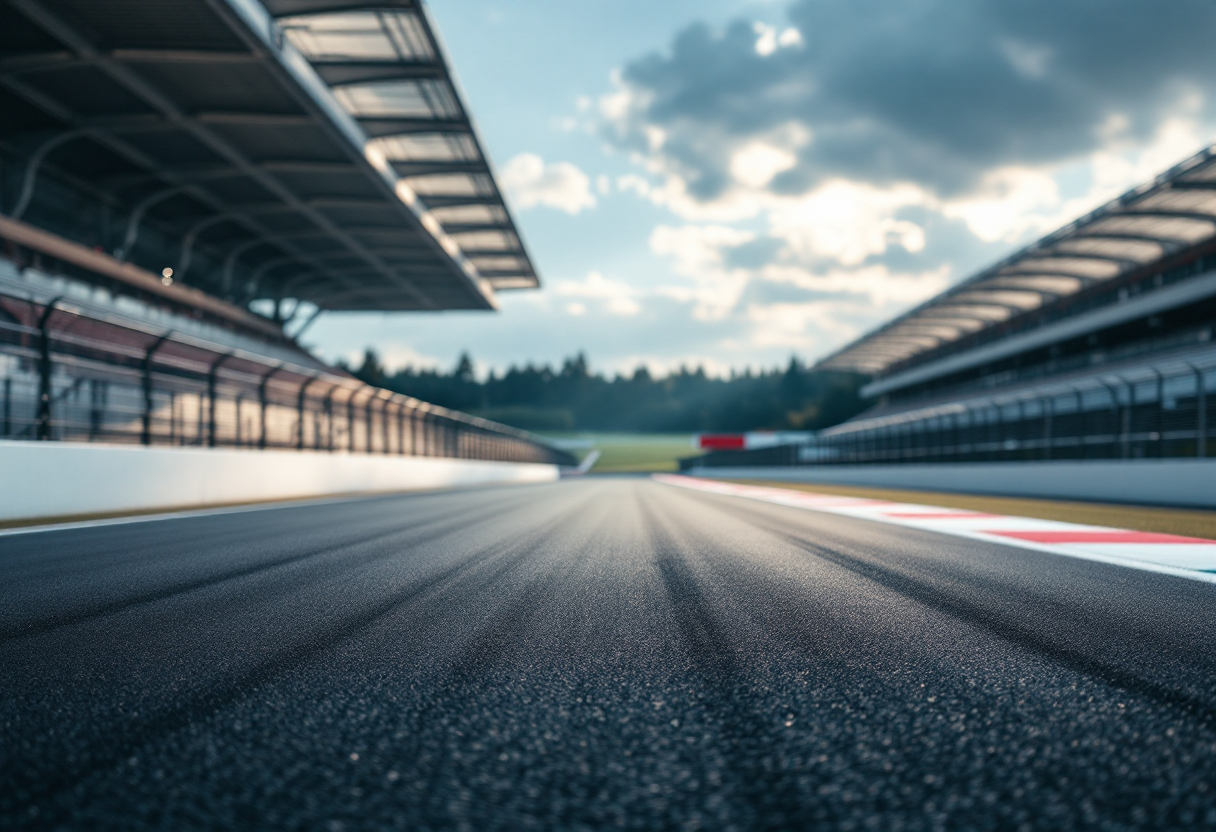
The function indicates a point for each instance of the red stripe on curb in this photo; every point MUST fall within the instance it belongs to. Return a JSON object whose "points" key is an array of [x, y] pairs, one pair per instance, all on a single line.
{"points": [[1113, 536], [1196, 560]]}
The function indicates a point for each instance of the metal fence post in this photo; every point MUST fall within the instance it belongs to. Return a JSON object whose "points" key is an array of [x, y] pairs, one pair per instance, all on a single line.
{"points": [[44, 370], [146, 376], [1201, 413], [96, 407], [1125, 420], [1048, 427], [1115, 416], [213, 398], [328, 408], [401, 428], [1160, 411], [385, 429], [300, 412], [370, 439], [263, 403]]}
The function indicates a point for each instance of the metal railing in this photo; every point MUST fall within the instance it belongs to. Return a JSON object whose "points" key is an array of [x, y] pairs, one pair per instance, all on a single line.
{"points": [[1155, 411], [70, 371]]}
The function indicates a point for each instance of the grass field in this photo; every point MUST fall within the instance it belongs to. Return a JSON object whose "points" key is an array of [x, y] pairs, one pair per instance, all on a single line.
{"points": [[1186, 522], [630, 452]]}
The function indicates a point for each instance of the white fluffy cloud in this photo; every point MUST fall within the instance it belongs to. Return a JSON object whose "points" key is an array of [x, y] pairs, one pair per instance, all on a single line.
{"points": [[852, 158], [699, 254], [615, 297], [847, 222], [531, 182], [769, 39]]}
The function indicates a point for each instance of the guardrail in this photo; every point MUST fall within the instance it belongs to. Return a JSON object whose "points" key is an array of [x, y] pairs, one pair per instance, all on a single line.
{"points": [[1161, 411], [71, 371]]}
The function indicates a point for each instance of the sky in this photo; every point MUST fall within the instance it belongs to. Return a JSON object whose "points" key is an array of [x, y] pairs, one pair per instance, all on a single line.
{"points": [[729, 183]]}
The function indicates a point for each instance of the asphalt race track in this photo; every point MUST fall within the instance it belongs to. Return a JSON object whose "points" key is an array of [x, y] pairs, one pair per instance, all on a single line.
{"points": [[600, 653]]}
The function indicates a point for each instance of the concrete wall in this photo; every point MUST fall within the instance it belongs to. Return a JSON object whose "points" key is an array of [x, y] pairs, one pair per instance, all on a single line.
{"points": [[1175, 482], [47, 479]]}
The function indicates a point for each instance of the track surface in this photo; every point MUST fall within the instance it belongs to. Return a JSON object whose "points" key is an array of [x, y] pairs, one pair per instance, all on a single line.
{"points": [[591, 654]]}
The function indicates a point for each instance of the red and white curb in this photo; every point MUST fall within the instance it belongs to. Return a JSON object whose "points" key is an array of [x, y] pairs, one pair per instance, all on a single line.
{"points": [[1187, 557]]}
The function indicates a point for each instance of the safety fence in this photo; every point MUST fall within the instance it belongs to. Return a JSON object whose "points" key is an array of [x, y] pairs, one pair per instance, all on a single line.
{"points": [[1152, 411], [69, 371]]}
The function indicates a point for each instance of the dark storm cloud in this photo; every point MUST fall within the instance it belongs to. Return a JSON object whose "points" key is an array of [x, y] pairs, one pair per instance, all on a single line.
{"points": [[932, 91]]}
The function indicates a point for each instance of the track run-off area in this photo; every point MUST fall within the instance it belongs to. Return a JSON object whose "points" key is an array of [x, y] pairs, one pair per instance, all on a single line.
{"points": [[604, 652]]}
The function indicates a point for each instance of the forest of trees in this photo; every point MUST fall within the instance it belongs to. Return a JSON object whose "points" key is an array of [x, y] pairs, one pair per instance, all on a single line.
{"points": [[574, 398]]}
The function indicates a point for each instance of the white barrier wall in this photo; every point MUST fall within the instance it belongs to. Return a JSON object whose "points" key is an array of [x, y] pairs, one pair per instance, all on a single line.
{"points": [[1172, 482], [49, 479]]}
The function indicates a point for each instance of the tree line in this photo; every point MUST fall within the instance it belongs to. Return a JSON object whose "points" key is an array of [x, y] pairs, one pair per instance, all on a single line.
{"points": [[572, 397]]}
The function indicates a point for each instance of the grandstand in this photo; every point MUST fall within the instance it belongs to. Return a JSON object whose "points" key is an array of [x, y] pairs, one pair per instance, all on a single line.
{"points": [[1093, 343], [185, 187]]}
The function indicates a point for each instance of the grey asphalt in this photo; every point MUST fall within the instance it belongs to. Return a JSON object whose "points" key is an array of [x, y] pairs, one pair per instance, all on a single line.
{"points": [[600, 653]]}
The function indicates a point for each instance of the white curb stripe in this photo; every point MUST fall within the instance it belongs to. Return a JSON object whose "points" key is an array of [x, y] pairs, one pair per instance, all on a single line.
{"points": [[1184, 557]]}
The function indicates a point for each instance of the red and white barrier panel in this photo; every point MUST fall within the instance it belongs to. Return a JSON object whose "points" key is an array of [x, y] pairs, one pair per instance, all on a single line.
{"points": [[1188, 557], [749, 441]]}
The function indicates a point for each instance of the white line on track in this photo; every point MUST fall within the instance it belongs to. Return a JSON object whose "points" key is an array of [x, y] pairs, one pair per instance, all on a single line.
{"points": [[198, 512], [1182, 557]]}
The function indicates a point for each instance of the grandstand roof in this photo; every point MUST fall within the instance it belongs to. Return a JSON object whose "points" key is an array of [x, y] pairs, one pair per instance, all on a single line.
{"points": [[1174, 212], [321, 147]]}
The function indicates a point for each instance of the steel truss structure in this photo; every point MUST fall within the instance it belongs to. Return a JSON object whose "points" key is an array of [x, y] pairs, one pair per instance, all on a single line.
{"points": [[304, 149]]}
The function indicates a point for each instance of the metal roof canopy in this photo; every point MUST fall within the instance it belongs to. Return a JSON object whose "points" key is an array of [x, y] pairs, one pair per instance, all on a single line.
{"points": [[319, 148], [1175, 211]]}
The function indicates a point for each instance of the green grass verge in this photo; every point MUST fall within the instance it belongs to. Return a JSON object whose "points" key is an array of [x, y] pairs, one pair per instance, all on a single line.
{"points": [[630, 452]]}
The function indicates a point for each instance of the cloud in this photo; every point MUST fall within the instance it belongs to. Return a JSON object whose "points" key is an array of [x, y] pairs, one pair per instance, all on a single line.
{"points": [[769, 40], [832, 171], [848, 222], [929, 92], [559, 185], [700, 253], [615, 297]]}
